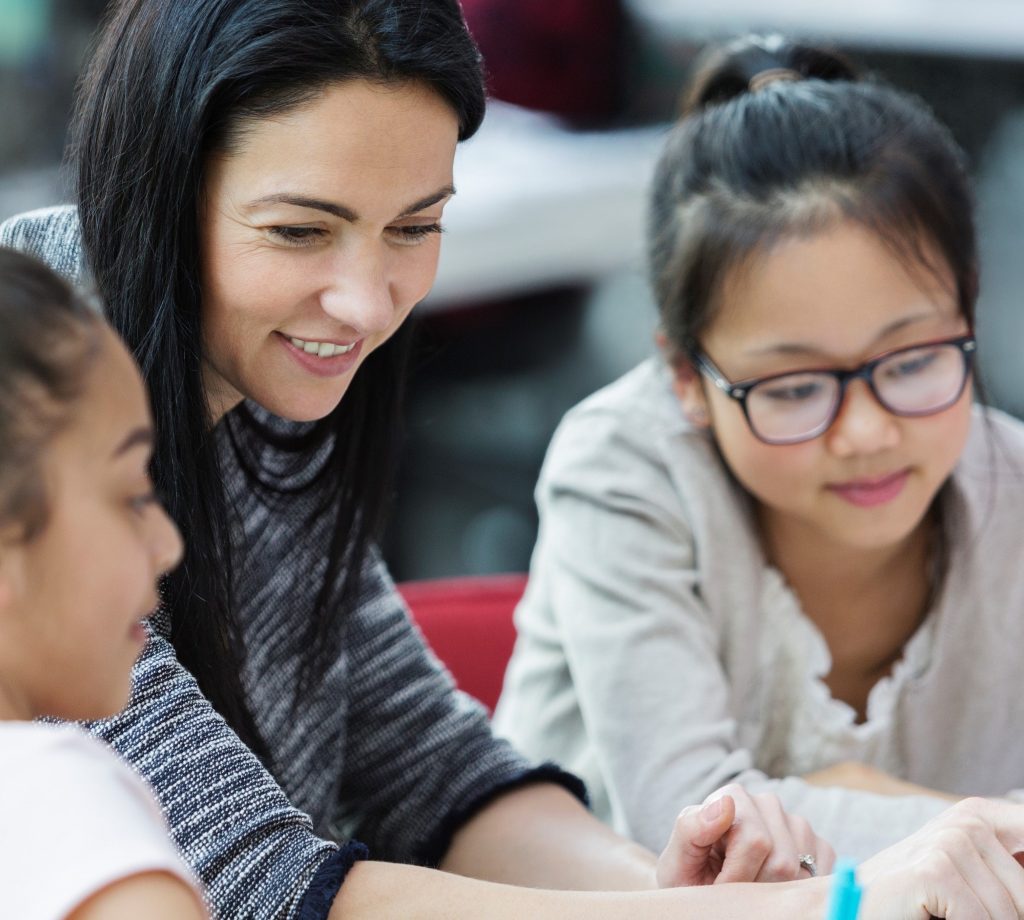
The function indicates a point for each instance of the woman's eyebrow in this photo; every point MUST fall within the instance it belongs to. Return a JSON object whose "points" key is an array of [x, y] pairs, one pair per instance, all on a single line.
{"points": [[433, 199], [343, 211]]}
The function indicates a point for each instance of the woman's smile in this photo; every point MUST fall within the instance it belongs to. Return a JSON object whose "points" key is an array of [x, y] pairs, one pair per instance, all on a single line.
{"points": [[323, 359]]}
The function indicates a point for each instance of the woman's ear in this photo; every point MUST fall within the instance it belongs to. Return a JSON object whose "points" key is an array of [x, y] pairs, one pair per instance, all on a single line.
{"points": [[687, 384]]}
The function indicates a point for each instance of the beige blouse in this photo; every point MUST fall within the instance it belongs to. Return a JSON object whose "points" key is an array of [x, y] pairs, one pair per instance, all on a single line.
{"points": [[660, 657]]}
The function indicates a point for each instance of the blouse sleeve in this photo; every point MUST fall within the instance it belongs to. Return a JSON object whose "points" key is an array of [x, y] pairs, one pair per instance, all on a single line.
{"points": [[616, 567], [421, 758], [255, 854]]}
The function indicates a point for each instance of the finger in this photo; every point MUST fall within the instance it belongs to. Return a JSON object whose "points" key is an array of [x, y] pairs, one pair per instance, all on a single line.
{"points": [[692, 855], [747, 844], [987, 894], [808, 842], [783, 862], [1007, 871], [1006, 818]]}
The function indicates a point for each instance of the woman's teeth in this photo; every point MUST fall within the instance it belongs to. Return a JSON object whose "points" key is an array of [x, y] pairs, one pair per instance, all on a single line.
{"points": [[321, 349]]}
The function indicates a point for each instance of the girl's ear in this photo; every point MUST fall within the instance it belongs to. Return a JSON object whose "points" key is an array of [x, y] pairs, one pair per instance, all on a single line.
{"points": [[687, 384]]}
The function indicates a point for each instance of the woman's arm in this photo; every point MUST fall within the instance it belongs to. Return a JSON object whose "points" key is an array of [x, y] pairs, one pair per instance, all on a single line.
{"points": [[542, 837], [960, 865], [254, 853]]}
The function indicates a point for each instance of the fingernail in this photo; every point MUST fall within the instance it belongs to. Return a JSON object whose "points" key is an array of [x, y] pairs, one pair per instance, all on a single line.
{"points": [[711, 810]]}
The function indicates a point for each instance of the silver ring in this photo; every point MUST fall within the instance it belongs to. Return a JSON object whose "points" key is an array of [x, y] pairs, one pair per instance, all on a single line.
{"points": [[808, 862]]}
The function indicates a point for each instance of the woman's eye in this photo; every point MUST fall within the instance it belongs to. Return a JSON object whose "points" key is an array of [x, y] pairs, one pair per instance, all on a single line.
{"points": [[416, 233], [297, 236]]}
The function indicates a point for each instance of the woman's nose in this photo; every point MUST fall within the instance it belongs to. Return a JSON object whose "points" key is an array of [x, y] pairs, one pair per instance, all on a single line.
{"points": [[358, 294]]}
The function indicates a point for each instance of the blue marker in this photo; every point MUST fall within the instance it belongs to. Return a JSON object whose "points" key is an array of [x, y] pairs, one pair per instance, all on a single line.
{"points": [[844, 902]]}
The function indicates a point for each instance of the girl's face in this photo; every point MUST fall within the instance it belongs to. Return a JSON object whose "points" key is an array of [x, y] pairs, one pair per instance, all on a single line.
{"points": [[319, 236], [832, 300], [71, 600]]}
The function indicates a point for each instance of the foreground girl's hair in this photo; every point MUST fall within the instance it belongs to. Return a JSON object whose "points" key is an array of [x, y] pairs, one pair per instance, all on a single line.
{"points": [[49, 337]]}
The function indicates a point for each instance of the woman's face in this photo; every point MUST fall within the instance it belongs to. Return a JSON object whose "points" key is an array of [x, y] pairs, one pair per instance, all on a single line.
{"points": [[833, 300], [319, 235], [71, 600]]}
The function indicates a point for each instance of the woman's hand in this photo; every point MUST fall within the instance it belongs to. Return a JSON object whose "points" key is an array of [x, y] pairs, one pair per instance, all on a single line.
{"points": [[961, 864], [738, 837]]}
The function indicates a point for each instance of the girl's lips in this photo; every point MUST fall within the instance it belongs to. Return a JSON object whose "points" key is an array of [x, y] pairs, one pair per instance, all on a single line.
{"points": [[334, 366], [866, 493]]}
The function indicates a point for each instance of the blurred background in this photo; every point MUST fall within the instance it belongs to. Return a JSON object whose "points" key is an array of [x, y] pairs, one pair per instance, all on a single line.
{"points": [[541, 297]]}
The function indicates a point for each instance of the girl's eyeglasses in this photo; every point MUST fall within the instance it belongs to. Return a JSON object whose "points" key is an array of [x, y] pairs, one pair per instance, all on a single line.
{"points": [[798, 406]]}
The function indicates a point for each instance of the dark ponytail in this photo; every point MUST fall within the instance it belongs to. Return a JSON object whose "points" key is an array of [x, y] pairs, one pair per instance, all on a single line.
{"points": [[781, 138]]}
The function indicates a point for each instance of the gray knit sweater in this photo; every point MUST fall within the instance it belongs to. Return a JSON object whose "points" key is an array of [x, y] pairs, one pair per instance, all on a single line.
{"points": [[386, 751]]}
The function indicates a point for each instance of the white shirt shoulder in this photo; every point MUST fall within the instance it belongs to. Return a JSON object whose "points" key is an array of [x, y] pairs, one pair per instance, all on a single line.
{"points": [[75, 819]]}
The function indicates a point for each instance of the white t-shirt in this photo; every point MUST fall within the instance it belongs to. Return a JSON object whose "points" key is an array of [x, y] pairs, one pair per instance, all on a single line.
{"points": [[73, 819]]}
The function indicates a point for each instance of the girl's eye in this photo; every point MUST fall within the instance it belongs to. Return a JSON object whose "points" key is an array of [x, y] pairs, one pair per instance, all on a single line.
{"points": [[912, 364], [792, 392], [297, 236], [416, 233]]}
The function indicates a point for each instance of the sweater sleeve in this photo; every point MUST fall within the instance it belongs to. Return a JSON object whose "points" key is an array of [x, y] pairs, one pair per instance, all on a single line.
{"points": [[49, 234], [615, 605], [420, 756], [252, 850]]}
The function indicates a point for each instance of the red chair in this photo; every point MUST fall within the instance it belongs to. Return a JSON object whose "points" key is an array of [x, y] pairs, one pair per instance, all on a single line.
{"points": [[468, 623]]}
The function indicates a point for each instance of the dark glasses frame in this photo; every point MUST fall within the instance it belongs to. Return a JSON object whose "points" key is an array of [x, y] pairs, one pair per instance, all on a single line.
{"points": [[740, 390]]}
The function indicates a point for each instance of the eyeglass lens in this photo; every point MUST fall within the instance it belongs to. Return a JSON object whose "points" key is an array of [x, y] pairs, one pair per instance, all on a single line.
{"points": [[918, 381]]}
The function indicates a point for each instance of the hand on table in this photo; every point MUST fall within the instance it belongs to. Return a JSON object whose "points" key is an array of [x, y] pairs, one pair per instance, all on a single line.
{"points": [[738, 837]]}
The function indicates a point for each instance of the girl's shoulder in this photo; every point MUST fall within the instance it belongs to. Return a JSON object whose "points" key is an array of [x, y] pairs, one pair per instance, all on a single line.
{"points": [[64, 761], [631, 437], [76, 819], [995, 447], [638, 412]]}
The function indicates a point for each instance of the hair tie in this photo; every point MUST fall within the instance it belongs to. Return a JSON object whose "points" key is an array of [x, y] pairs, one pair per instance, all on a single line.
{"points": [[773, 75]]}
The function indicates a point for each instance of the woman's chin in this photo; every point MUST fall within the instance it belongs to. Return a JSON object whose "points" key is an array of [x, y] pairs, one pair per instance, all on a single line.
{"points": [[306, 407]]}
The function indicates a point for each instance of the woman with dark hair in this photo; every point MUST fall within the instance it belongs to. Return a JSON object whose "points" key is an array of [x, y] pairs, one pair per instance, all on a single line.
{"points": [[786, 553], [260, 186]]}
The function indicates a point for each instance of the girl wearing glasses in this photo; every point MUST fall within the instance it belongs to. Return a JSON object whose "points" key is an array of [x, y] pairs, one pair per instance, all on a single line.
{"points": [[786, 555]]}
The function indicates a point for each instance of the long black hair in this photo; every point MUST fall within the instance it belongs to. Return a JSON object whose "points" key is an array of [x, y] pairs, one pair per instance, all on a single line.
{"points": [[171, 82], [779, 138]]}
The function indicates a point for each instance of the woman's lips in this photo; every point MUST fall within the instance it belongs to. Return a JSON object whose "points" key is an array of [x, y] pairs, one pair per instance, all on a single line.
{"points": [[868, 492], [333, 366]]}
